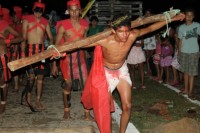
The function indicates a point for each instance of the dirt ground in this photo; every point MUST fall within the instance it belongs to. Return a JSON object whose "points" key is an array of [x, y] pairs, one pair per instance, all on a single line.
{"points": [[18, 117]]}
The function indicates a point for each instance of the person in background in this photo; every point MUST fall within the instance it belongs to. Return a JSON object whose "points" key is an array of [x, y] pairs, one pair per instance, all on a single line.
{"points": [[166, 57], [149, 45], [94, 28], [5, 42], [34, 30], [15, 49], [189, 51], [157, 57], [177, 75], [135, 57]]}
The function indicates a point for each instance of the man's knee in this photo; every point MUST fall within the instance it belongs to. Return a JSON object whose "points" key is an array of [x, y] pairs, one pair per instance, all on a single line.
{"points": [[127, 107]]}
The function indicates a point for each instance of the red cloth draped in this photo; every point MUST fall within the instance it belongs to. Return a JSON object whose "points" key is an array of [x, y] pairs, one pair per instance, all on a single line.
{"points": [[96, 95]]}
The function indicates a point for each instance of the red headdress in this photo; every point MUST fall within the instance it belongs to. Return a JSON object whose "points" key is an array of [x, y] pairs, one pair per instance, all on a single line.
{"points": [[73, 2], [39, 4], [1, 11], [6, 15], [18, 11]]}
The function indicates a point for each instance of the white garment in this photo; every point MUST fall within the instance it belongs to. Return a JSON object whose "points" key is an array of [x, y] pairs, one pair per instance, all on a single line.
{"points": [[150, 43], [113, 76], [136, 56]]}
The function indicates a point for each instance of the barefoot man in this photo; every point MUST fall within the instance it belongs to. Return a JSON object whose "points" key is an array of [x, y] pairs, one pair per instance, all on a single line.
{"points": [[34, 28], [5, 42], [72, 29], [109, 71]]}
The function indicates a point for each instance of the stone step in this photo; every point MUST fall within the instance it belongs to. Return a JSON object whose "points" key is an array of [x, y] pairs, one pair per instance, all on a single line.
{"points": [[87, 129]]}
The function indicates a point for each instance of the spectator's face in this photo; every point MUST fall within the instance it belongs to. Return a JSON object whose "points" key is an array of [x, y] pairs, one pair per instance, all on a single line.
{"points": [[189, 16], [94, 22], [147, 14]]}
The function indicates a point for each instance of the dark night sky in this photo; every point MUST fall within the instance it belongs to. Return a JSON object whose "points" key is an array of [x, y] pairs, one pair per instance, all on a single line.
{"points": [[156, 5]]}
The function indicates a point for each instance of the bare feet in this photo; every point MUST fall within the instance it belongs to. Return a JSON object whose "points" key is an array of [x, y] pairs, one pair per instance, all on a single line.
{"points": [[87, 116], [174, 83], [67, 114], [182, 92], [192, 97], [39, 106], [134, 87], [143, 87], [15, 91]]}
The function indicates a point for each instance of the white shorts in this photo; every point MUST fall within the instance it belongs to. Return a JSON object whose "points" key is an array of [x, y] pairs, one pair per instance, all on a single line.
{"points": [[113, 76]]}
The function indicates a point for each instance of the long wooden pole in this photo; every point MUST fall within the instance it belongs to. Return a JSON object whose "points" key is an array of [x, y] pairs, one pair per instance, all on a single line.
{"points": [[17, 64]]}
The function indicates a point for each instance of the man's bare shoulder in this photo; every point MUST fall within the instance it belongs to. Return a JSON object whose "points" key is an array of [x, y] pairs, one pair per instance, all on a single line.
{"points": [[105, 41], [135, 33]]}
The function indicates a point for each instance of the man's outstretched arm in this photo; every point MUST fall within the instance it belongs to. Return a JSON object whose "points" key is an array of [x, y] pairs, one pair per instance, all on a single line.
{"points": [[158, 25]]}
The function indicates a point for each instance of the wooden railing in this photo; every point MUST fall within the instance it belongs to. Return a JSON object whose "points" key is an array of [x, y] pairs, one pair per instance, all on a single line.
{"points": [[105, 10]]}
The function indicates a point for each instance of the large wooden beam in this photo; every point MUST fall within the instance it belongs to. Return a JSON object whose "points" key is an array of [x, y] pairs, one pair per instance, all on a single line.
{"points": [[17, 64]]}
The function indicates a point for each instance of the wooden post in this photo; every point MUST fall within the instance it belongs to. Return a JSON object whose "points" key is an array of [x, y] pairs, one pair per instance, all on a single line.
{"points": [[66, 47]]}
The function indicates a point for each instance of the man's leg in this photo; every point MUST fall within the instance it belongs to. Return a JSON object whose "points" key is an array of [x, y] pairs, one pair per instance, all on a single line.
{"points": [[16, 83], [141, 70], [30, 86], [87, 115], [186, 84], [149, 53], [124, 90], [191, 84], [67, 98], [38, 103], [4, 93]]}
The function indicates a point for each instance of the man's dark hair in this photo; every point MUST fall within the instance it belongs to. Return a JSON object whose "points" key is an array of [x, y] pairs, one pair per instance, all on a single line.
{"points": [[189, 10], [94, 18], [38, 9], [120, 20]]}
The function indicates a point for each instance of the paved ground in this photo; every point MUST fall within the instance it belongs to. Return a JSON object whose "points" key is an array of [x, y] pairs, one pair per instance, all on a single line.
{"points": [[19, 118]]}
